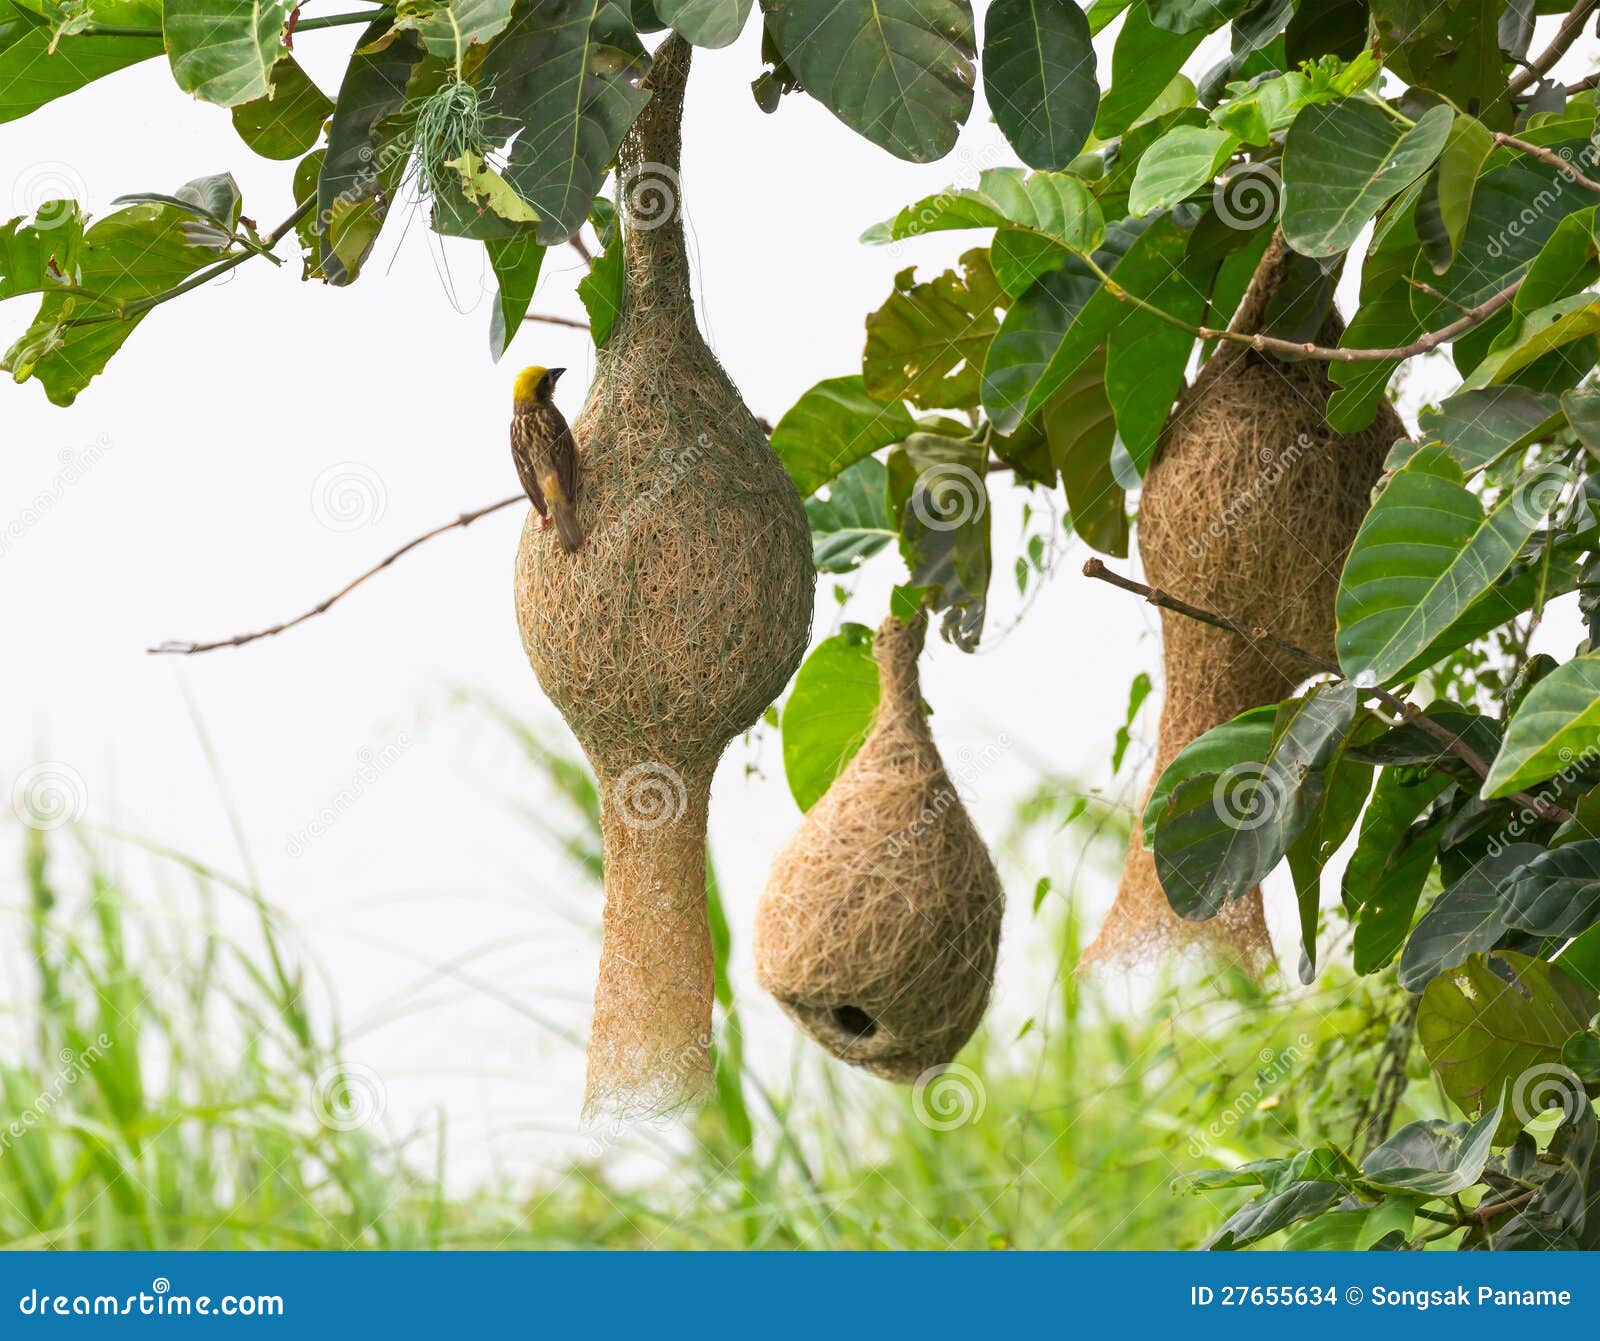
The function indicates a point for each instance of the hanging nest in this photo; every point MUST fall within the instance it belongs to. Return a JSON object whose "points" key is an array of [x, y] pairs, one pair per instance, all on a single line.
{"points": [[668, 634], [1249, 508], [880, 924]]}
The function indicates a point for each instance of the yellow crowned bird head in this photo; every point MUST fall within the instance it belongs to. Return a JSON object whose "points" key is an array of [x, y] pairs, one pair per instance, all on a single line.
{"points": [[535, 385]]}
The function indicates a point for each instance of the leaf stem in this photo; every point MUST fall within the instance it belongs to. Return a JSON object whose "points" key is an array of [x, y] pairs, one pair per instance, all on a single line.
{"points": [[303, 26]]}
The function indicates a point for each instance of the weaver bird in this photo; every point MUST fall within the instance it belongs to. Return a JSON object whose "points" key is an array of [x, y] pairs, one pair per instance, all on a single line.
{"points": [[545, 455]]}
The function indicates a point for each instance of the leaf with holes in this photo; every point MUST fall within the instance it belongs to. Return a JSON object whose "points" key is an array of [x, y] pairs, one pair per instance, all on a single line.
{"points": [[927, 343]]}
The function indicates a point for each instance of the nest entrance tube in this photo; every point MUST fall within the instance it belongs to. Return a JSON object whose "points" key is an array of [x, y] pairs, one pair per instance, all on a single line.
{"points": [[1249, 508], [669, 633], [880, 925]]}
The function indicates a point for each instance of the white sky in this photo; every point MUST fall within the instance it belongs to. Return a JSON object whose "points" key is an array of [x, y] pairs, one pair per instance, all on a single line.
{"points": [[199, 516]]}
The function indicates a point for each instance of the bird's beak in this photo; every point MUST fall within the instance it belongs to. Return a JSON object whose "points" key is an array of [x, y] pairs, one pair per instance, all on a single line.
{"points": [[555, 375]]}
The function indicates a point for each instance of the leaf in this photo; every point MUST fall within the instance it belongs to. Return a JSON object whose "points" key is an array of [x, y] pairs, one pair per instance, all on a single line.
{"points": [[36, 257], [365, 154], [223, 51], [1056, 205], [1468, 918], [899, 72], [1019, 257], [600, 291], [937, 489], [1425, 553], [1243, 740], [927, 343], [1039, 78], [449, 28], [1349, 780], [1195, 16], [853, 522], [1384, 880], [1179, 164], [1273, 1212], [832, 427], [1222, 834], [1558, 723], [1493, 1020], [1557, 893], [1537, 334], [36, 67], [1144, 61], [706, 23], [829, 712], [1434, 1157], [488, 190], [1138, 691], [516, 261], [128, 256], [1342, 160], [1445, 205], [562, 72], [286, 123], [1479, 427], [1081, 430], [1450, 46]]}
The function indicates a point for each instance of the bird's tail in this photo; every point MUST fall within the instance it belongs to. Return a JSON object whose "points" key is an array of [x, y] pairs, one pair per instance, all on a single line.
{"points": [[566, 520]]}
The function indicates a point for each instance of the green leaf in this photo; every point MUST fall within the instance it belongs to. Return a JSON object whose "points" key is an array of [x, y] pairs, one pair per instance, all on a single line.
{"points": [[1342, 160], [1019, 257], [516, 261], [1446, 201], [288, 121], [562, 71], [36, 257], [1492, 1020], [1468, 918], [1179, 164], [1056, 205], [832, 427], [853, 522], [1195, 16], [223, 51], [1449, 46], [600, 291], [450, 28], [1081, 430], [1425, 553], [1273, 1212], [1243, 740], [1349, 782], [1479, 427], [1434, 1157], [1555, 729], [937, 488], [927, 343], [706, 23], [829, 712], [1039, 78], [366, 153], [1145, 60], [1222, 834], [1537, 334], [899, 72], [1557, 893], [128, 256], [36, 66], [1138, 691]]}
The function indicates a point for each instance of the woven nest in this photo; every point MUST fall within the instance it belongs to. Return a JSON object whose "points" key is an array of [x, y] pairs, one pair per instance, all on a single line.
{"points": [[669, 633], [880, 925], [1249, 509]]}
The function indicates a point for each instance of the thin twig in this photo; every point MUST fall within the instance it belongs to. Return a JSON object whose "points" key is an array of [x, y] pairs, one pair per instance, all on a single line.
{"points": [[582, 248], [551, 319], [301, 26], [1570, 31], [1408, 712], [1424, 344], [188, 649], [1547, 156]]}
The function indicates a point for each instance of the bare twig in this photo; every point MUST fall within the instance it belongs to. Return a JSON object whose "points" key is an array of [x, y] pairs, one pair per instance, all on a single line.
{"points": [[1570, 31], [582, 248], [1423, 344], [1408, 712], [1548, 156], [188, 649], [551, 319]]}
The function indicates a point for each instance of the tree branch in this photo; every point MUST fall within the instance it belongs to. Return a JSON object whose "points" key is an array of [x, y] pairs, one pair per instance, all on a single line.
{"points": [[1547, 156], [550, 319], [1570, 31], [1409, 712], [189, 649], [1423, 344]]}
